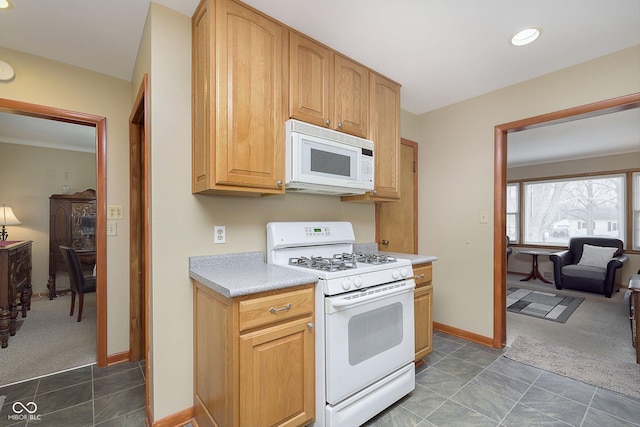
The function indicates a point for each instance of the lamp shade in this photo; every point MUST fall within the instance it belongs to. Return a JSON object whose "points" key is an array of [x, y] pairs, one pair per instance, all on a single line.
{"points": [[7, 217]]}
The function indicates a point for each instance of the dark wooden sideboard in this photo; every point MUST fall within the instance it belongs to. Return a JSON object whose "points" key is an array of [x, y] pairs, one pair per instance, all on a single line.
{"points": [[15, 278], [72, 223]]}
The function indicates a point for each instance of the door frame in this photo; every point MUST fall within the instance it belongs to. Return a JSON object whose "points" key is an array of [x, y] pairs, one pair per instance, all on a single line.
{"points": [[140, 230], [100, 123], [500, 192]]}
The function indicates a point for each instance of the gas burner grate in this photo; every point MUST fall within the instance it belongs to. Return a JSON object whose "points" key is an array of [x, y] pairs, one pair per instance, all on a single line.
{"points": [[324, 264], [375, 259]]}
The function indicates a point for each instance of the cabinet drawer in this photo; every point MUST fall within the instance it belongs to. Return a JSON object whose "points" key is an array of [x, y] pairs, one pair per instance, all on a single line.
{"points": [[269, 309], [422, 274]]}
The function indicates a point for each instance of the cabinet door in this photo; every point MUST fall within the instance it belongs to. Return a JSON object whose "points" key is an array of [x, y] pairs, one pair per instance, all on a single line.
{"points": [[277, 386], [203, 97], [385, 133], [310, 84], [251, 84], [423, 321], [351, 92]]}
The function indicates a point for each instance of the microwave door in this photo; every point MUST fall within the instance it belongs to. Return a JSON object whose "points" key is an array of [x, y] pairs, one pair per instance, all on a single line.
{"points": [[326, 163]]}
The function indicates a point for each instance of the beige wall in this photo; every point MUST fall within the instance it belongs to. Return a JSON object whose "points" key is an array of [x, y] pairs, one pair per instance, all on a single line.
{"points": [[456, 163], [28, 176], [519, 263], [53, 84]]}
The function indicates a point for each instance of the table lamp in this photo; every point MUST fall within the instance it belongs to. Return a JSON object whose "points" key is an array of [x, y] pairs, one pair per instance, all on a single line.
{"points": [[7, 217]]}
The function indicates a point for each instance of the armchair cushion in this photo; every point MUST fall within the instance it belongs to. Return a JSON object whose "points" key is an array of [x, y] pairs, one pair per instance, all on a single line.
{"points": [[584, 271], [596, 256]]}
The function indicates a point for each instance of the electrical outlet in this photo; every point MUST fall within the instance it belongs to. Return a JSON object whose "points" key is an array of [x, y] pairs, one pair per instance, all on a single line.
{"points": [[115, 212], [220, 233], [112, 228]]}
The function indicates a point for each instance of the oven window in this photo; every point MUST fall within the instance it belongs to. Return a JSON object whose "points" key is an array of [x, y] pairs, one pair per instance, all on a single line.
{"points": [[331, 163], [374, 332]]}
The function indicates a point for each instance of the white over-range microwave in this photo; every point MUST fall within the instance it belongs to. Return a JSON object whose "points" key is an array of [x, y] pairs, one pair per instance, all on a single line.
{"points": [[324, 161]]}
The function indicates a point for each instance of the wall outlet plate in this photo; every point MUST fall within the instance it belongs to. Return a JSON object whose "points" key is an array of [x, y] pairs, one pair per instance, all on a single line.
{"points": [[220, 234]]}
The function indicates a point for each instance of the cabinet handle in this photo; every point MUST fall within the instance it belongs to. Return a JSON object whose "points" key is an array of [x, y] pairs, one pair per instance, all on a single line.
{"points": [[274, 310], [279, 183], [310, 325], [385, 242], [327, 122], [340, 125], [420, 276]]}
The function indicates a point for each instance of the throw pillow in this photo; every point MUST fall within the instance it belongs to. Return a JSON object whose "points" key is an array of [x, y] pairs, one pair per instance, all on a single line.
{"points": [[596, 256]]}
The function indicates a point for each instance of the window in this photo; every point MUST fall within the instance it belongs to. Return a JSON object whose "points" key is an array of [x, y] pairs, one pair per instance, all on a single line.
{"points": [[556, 210], [513, 217]]}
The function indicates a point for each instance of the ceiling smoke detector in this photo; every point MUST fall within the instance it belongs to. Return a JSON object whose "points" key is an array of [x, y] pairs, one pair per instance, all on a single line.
{"points": [[526, 36]]}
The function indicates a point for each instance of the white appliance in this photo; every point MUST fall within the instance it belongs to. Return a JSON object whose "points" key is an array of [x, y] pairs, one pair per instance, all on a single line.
{"points": [[324, 161], [364, 319]]}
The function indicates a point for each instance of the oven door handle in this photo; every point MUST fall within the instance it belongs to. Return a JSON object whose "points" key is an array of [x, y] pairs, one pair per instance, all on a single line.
{"points": [[372, 295]]}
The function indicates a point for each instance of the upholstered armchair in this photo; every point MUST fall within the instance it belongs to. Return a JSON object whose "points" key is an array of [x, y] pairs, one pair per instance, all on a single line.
{"points": [[591, 264]]}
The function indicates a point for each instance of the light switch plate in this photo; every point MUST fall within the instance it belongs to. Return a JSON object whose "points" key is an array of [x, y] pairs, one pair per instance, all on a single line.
{"points": [[115, 212], [112, 228], [484, 217]]}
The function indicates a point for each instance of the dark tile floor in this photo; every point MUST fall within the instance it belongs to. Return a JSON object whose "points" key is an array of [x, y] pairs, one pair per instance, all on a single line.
{"points": [[462, 384], [87, 396], [465, 384]]}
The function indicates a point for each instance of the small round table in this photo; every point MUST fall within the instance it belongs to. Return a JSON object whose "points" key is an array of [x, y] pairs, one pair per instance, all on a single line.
{"points": [[535, 273]]}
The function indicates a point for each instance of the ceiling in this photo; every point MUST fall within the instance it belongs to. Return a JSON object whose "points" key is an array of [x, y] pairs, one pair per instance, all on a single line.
{"points": [[441, 51]]}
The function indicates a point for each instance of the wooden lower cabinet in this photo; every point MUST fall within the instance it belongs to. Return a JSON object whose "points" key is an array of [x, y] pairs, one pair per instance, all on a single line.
{"points": [[423, 307], [254, 358]]}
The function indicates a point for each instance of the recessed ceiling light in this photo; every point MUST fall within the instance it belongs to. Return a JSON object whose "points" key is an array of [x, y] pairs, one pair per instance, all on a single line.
{"points": [[526, 36], [4, 4]]}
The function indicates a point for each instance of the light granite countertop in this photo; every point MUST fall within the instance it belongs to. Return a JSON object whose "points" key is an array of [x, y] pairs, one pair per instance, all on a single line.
{"points": [[233, 275], [373, 248]]}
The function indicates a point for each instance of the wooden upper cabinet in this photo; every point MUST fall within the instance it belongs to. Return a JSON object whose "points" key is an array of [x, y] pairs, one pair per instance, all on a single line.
{"points": [[351, 97], [310, 81], [384, 131], [240, 86], [326, 88]]}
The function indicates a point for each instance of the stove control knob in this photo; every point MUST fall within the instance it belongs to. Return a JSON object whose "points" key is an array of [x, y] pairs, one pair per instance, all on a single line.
{"points": [[395, 274], [345, 284], [358, 281], [404, 272]]}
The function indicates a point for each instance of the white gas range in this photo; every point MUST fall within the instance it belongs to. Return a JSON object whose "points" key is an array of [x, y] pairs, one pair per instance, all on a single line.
{"points": [[364, 319]]}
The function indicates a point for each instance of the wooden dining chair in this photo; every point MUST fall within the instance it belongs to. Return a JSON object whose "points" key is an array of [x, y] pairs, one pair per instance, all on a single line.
{"points": [[80, 284]]}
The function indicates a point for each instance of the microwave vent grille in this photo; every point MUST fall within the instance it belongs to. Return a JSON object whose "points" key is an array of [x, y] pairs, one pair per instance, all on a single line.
{"points": [[329, 134]]}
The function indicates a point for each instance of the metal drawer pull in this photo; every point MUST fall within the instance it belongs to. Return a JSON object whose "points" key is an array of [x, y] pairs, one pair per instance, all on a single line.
{"points": [[420, 276], [310, 325], [274, 310]]}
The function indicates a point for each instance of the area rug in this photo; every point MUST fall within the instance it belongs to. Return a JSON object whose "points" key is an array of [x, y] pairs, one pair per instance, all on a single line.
{"points": [[544, 305], [622, 377], [48, 340]]}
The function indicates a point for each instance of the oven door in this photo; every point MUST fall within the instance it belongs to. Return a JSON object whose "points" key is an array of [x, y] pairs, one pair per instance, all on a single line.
{"points": [[369, 335]]}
